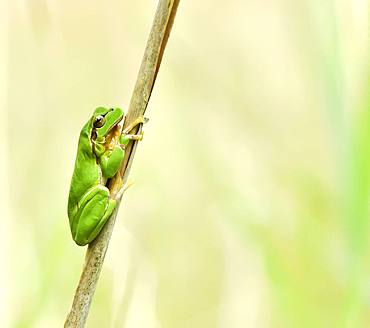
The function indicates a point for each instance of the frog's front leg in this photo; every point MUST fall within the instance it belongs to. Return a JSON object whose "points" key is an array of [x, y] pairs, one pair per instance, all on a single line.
{"points": [[111, 161], [94, 210], [126, 137]]}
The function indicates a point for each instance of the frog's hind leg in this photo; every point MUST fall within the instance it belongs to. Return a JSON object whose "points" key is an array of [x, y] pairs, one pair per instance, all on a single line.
{"points": [[94, 210], [85, 199], [111, 206]]}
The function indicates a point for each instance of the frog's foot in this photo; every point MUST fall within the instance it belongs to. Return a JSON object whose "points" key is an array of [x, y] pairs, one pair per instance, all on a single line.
{"points": [[127, 185], [139, 120], [125, 138], [135, 136]]}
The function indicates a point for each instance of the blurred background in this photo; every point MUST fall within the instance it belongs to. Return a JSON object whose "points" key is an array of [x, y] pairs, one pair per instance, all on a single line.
{"points": [[251, 199]]}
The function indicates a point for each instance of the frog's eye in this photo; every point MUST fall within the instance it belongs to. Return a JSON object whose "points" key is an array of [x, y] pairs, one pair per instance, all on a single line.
{"points": [[99, 121]]}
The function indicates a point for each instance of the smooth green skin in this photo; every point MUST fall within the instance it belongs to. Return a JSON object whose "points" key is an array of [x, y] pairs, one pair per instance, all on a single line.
{"points": [[89, 201]]}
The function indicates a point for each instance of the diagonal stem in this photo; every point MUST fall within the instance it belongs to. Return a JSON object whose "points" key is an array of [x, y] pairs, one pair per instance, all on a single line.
{"points": [[96, 251]]}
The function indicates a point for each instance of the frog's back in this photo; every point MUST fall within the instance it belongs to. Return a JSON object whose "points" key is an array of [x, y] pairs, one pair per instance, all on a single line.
{"points": [[86, 171]]}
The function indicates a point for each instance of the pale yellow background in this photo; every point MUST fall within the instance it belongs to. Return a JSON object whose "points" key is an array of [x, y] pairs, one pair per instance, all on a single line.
{"points": [[251, 199]]}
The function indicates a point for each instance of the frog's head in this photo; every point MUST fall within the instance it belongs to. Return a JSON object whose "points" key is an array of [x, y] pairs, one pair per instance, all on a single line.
{"points": [[105, 119]]}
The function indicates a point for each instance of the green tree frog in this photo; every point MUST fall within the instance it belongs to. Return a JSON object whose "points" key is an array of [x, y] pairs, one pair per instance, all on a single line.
{"points": [[100, 152]]}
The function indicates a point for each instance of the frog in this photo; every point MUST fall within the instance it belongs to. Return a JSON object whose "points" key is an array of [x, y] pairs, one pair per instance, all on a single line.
{"points": [[100, 153]]}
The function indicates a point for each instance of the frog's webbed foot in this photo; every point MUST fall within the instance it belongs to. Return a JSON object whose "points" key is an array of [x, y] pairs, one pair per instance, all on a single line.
{"points": [[137, 121], [126, 137], [127, 185], [138, 137]]}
